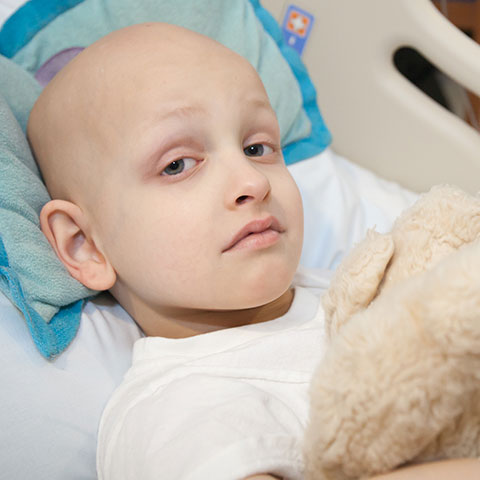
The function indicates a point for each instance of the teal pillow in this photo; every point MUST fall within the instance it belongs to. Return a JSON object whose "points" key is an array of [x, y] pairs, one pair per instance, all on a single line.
{"points": [[42, 28], [30, 274]]}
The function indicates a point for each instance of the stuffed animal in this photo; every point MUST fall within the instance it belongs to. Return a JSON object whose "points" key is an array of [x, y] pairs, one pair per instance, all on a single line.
{"points": [[400, 380]]}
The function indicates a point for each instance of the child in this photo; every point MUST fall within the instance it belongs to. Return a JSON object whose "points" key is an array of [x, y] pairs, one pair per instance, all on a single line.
{"points": [[162, 156]]}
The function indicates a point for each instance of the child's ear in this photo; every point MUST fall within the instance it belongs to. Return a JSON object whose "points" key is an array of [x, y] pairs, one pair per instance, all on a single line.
{"points": [[61, 222]]}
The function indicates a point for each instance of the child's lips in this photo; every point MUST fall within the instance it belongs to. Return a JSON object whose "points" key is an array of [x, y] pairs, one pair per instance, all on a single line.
{"points": [[260, 233]]}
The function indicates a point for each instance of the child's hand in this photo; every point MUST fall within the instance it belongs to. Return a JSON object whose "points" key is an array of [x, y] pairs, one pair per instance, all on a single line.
{"points": [[466, 469], [263, 477]]}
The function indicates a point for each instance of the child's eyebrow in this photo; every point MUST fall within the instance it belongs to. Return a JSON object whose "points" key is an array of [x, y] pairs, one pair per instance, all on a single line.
{"points": [[181, 111], [193, 110], [259, 103]]}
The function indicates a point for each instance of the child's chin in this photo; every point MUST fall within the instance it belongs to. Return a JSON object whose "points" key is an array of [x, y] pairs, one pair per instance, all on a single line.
{"points": [[268, 296], [257, 287]]}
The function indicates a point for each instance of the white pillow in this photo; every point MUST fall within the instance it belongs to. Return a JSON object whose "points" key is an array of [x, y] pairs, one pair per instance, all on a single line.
{"points": [[341, 200], [49, 411], [7, 7]]}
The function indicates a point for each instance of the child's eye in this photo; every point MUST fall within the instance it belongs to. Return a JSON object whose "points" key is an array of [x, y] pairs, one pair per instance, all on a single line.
{"points": [[178, 166], [257, 150]]}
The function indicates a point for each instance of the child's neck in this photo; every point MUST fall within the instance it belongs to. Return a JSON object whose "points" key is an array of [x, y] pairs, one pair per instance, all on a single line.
{"points": [[195, 322]]}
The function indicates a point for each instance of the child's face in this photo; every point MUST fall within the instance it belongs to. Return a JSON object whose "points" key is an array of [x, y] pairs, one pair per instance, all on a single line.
{"points": [[193, 156]]}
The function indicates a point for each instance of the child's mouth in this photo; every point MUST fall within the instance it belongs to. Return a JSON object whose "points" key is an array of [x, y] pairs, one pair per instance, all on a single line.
{"points": [[254, 241], [256, 235]]}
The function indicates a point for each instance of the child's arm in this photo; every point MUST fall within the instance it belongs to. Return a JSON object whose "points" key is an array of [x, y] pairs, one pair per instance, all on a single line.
{"points": [[263, 477], [465, 468]]}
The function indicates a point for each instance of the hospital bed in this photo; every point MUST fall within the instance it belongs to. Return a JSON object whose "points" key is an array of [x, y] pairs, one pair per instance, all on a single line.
{"points": [[377, 117], [49, 409]]}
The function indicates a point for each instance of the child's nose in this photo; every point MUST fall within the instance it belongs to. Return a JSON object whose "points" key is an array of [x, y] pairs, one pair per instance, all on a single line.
{"points": [[247, 184]]}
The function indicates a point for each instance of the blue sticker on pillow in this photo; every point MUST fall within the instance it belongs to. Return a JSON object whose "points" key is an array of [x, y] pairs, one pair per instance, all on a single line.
{"points": [[296, 28]]}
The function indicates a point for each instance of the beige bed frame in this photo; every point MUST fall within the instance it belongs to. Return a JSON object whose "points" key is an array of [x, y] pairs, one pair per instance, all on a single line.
{"points": [[378, 118]]}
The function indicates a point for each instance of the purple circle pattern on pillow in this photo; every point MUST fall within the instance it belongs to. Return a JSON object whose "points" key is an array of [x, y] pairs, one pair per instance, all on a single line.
{"points": [[54, 64]]}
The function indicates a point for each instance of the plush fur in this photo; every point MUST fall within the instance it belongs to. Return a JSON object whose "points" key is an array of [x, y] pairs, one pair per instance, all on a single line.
{"points": [[400, 381]]}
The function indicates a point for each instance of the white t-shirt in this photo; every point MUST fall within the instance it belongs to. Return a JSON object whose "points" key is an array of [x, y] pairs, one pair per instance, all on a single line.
{"points": [[222, 405]]}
